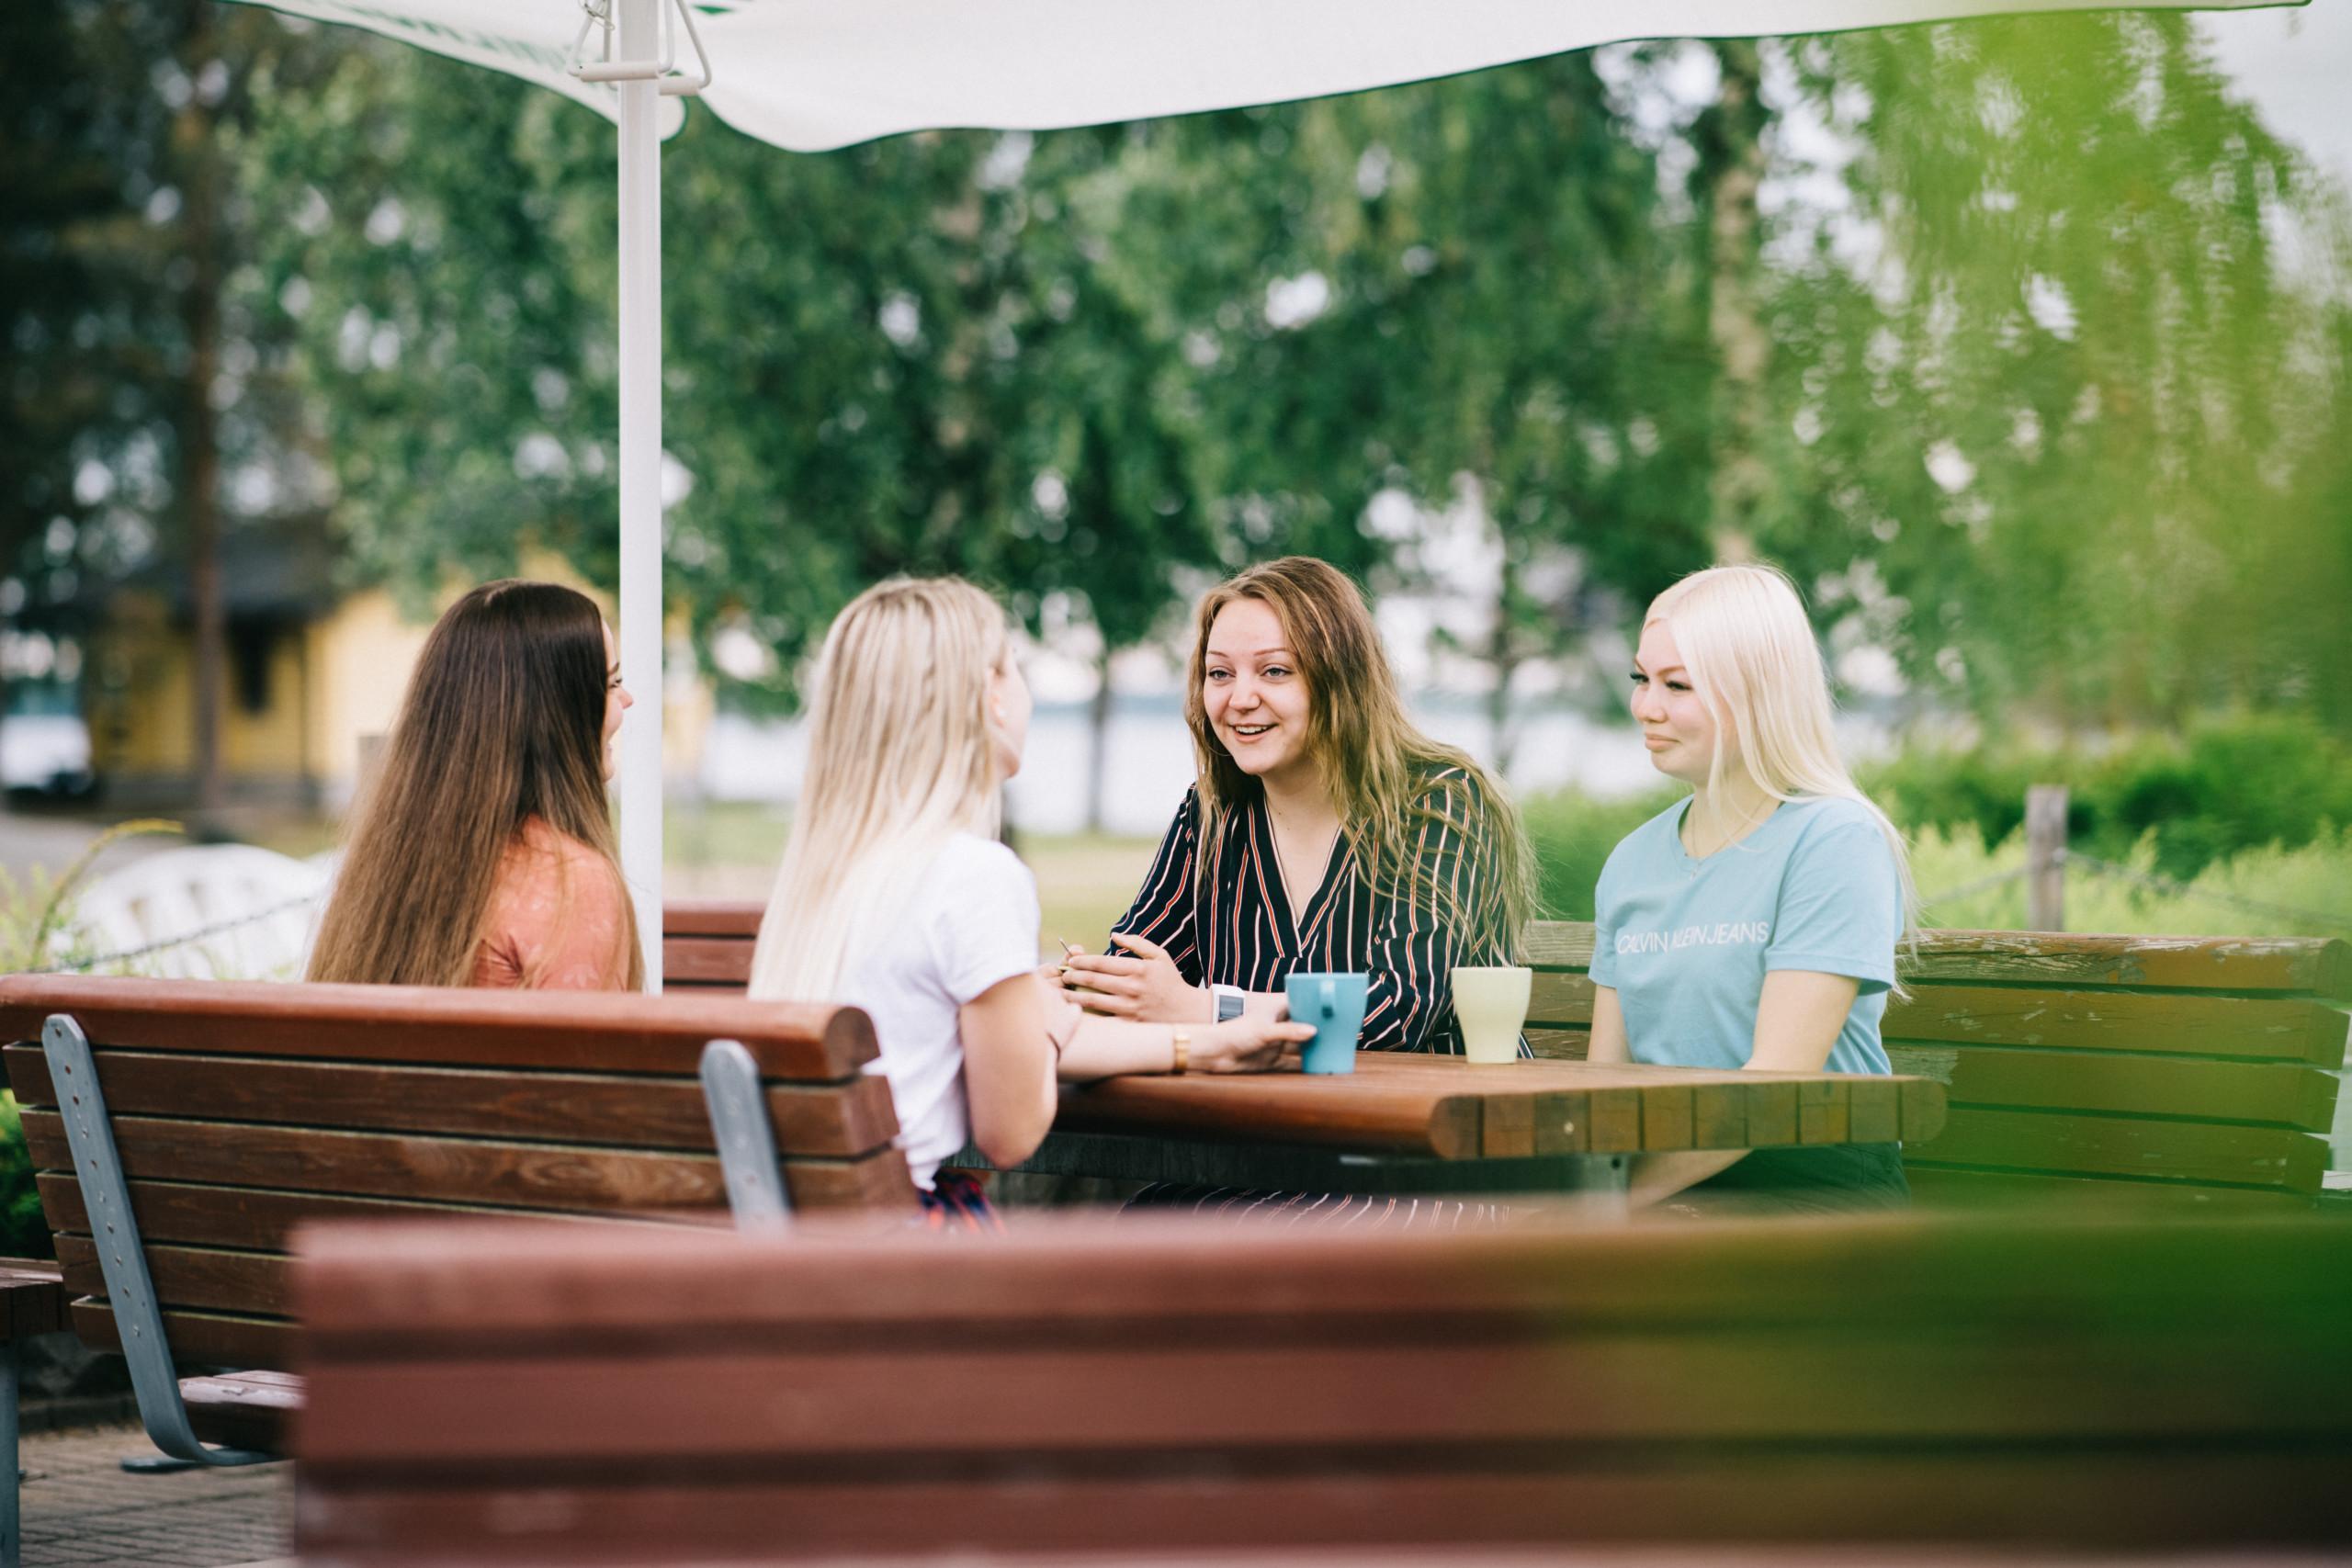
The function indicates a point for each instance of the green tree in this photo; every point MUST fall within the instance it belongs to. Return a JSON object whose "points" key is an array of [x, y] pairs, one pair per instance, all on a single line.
{"points": [[144, 398], [2060, 413]]}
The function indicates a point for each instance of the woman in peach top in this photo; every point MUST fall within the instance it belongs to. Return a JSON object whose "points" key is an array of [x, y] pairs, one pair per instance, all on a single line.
{"points": [[484, 854]]}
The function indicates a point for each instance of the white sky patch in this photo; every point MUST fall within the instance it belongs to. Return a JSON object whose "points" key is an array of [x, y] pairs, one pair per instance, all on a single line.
{"points": [[1291, 302], [1952, 472], [2047, 302]]}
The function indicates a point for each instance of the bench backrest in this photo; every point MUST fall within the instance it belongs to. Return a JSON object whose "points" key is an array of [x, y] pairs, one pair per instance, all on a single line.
{"points": [[2194, 1069], [486, 1394], [239, 1110]]}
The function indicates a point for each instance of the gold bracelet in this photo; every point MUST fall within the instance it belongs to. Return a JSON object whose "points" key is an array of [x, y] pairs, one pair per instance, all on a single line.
{"points": [[1180, 1039]]}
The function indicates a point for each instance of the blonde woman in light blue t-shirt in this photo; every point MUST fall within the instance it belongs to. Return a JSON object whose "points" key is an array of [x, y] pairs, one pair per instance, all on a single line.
{"points": [[1755, 923]]}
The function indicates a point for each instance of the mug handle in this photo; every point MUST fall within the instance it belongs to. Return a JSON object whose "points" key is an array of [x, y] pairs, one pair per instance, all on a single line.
{"points": [[1329, 1002]]}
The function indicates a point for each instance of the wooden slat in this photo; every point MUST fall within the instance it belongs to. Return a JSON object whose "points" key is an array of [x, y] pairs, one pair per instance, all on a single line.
{"points": [[2118, 1145], [1873, 1112], [1821, 1113], [452, 1169], [243, 1410], [2122, 1021], [581, 1031], [705, 960], [1559, 1044], [2072, 1383], [1557, 999], [840, 1119], [2300, 964], [1940, 1187], [32, 1298], [200, 1277], [712, 917], [1557, 944], [253, 1219], [849, 1282], [2276, 1094], [217, 1339], [1437, 1510], [2310, 966]]}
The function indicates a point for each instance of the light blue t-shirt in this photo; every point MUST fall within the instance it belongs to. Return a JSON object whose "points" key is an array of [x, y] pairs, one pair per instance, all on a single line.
{"points": [[1687, 942]]}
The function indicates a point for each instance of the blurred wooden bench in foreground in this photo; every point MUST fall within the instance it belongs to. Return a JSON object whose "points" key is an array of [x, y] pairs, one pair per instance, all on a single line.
{"points": [[496, 1394], [2185, 1072], [216, 1116]]}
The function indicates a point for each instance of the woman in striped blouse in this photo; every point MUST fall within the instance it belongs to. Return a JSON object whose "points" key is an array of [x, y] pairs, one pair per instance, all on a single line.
{"points": [[1324, 833]]}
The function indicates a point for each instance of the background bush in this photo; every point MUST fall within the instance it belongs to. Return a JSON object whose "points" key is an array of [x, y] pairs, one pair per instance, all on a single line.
{"points": [[2226, 786]]}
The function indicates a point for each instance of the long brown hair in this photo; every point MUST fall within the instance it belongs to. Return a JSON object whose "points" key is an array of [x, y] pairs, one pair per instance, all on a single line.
{"points": [[504, 721], [1378, 766]]}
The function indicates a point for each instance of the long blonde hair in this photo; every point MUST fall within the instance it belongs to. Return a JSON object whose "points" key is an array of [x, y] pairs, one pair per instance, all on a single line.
{"points": [[504, 721], [901, 755], [1754, 663], [1375, 763]]}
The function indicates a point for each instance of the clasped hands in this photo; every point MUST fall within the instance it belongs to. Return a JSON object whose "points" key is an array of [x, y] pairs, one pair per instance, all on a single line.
{"points": [[1149, 988]]}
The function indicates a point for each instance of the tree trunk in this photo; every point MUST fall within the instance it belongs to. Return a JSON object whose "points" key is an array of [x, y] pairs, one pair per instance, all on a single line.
{"points": [[200, 453], [1732, 167], [1502, 658], [1098, 753]]}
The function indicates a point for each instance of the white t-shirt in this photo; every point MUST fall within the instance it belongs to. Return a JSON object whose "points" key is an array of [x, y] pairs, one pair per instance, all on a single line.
{"points": [[972, 923]]}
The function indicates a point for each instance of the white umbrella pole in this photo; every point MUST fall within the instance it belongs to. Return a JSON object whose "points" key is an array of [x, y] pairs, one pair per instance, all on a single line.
{"points": [[640, 410]]}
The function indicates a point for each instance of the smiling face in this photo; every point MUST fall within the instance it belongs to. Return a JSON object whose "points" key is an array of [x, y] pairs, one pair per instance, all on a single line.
{"points": [[1257, 702], [1676, 726], [616, 700]]}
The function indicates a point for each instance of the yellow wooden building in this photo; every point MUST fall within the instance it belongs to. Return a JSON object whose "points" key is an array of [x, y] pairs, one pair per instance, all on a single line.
{"points": [[313, 673]]}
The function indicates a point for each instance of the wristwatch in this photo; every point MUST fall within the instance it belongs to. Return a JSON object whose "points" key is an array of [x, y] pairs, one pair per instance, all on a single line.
{"points": [[1226, 1003]]}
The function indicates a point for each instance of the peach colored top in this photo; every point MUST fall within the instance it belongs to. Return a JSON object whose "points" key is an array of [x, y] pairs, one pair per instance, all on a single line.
{"points": [[557, 919]]}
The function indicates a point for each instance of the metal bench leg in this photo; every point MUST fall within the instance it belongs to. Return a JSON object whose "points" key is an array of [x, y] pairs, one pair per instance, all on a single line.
{"points": [[89, 1135], [11, 1521], [746, 1140]]}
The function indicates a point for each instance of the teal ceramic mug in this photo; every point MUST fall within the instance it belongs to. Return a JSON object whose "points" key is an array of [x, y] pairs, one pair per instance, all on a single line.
{"points": [[1334, 1005]]}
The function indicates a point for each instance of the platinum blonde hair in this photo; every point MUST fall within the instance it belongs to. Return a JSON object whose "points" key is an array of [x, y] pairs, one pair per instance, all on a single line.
{"points": [[1753, 662], [901, 755]]}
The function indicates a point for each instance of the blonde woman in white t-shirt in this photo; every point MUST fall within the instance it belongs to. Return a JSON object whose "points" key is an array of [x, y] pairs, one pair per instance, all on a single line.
{"points": [[894, 896]]}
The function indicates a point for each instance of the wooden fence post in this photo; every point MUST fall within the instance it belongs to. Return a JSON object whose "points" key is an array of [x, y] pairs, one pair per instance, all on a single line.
{"points": [[2045, 857]]}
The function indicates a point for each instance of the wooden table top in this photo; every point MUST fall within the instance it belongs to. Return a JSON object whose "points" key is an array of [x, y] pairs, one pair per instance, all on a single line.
{"points": [[1445, 1108]]}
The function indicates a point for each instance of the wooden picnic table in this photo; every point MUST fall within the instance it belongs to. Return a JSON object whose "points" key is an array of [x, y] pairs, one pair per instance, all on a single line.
{"points": [[1416, 1123]]}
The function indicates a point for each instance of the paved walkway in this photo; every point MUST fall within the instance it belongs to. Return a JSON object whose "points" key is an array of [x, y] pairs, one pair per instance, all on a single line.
{"points": [[81, 1507]]}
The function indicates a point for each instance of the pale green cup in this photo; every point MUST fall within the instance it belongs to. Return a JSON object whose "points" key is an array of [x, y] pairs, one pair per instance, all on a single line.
{"points": [[1492, 1006]]}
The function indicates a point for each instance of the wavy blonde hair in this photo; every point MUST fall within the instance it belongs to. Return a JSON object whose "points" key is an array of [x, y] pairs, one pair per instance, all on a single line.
{"points": [[901, 755], [1755, 664], [1374, 761]]}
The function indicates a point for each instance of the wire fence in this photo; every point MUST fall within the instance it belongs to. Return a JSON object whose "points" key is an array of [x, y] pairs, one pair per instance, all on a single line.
{"points": [[2149, 881], [185, 939]]}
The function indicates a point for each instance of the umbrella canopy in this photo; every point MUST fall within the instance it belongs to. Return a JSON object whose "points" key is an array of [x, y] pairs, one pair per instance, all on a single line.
{"points": [[814, 75], [810, 75]]}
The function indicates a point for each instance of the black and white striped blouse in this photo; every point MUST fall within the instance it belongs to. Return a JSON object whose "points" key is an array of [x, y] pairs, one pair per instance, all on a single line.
{"points": [[1237, 928]]}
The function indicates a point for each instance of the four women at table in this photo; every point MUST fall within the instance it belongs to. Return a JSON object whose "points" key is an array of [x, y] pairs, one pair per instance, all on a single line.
{"points": [[1753, 924]]}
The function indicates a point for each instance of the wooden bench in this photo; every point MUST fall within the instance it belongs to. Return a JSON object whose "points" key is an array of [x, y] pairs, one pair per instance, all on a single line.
{"points": [[225, 1113], [2182, 1071], [493, 1393], [2190, 1072]]}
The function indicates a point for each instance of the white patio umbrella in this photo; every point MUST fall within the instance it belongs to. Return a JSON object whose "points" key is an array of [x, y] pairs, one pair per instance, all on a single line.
{"points": [[813, 74]]}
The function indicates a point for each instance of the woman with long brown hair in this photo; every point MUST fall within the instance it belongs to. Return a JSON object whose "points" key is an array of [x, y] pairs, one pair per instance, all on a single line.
{"points": [[484, 853], [1323, 831]]}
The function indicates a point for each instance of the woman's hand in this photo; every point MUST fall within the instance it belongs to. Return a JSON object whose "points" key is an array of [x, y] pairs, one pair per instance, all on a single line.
{"points": [[1245, 1045], [1147, 988]]}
